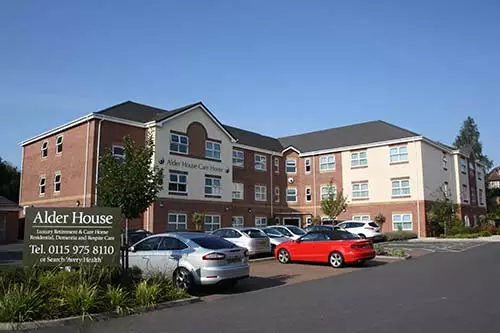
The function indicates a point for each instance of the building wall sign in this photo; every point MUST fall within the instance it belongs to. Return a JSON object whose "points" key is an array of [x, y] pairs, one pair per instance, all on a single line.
{"points": [[174, 163], [72, 236]]}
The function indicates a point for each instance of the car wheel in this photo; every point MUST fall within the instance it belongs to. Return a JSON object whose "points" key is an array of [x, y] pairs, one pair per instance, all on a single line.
{"points": [[283, 256], [183, 279], [336, 259], [362, 236]]}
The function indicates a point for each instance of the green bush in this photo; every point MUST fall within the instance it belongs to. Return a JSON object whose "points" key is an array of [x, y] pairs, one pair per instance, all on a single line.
{"points": [[80, 299], [117, 299], [387, 251], [21, 303], [147, 293], [399, 235]]}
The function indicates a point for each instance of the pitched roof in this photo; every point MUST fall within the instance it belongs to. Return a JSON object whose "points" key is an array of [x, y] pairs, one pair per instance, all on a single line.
{"points": [[6, 204], [133, 111], [170, 113], [253, 139], [351, 135], [494, 174]]}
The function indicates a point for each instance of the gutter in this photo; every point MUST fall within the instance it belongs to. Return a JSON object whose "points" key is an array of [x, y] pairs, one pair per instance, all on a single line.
{"points": [[86, 165], [97, 160]]}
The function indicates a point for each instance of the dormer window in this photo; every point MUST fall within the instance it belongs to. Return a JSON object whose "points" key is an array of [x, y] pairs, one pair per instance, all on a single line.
{"points": [[59, 144], [45, 149]]}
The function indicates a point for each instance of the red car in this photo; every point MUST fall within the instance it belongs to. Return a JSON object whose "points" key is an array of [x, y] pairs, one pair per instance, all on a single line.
{"points": [[336, 247]]}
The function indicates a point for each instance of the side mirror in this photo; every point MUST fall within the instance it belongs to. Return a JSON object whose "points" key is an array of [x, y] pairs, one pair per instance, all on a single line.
{"points": [[131, 249]]}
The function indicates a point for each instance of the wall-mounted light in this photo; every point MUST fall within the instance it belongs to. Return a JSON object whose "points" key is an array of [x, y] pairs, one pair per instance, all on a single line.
{"points": [[249, 210], [161, 161], [77, 203], [227, 208], [161, 204]]}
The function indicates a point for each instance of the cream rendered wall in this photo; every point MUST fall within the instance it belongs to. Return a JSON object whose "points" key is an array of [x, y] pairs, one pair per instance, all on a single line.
{"points": [[461, 179], [196, 168], [481, 185], [380, 172], [435, 175]]}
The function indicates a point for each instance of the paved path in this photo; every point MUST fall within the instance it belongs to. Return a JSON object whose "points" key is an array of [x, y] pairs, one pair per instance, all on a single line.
{"points": [[436, 245], [440, 292]]}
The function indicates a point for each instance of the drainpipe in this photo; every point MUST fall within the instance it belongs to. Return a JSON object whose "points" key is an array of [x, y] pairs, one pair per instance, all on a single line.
{"points": [[418, 187], [86, 165], [314, 186], [272, 188], [97, 161], [21, 177]]}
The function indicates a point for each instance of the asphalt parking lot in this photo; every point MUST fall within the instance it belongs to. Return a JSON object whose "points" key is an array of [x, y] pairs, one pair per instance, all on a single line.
{"points": [[435, 246]]}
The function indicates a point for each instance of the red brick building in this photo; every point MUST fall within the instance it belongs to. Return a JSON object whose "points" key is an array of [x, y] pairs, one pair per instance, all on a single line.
{"points": [[9, 221], [237, 177]]}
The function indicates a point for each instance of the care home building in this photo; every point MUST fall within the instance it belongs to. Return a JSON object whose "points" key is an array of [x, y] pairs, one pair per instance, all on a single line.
{"points": [[241, 178]]}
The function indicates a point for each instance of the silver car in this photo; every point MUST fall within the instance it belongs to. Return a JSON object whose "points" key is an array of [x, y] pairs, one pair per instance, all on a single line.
{"points": [[253, 239], [275, 237], [191, 259], [290, 231]]}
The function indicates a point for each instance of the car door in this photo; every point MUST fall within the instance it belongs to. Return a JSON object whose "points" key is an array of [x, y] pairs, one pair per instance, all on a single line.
{"points": [[170, 253], [305, 247], [142, 253]]}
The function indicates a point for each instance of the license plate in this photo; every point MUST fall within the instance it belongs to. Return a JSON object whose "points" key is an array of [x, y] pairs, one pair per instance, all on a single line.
{"points": [[233, 260]]}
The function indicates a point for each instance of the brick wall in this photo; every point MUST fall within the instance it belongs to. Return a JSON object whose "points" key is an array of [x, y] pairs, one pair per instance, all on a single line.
{"points": [[12, 226]]}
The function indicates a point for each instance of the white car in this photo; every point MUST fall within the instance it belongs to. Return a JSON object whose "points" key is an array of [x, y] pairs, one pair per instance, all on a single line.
{"points": [[275, 237], [364, 229], [290, 231], [253, 239]]}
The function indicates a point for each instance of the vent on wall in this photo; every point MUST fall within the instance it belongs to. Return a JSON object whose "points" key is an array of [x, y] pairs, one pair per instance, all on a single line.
{"points": [[291, 180]]}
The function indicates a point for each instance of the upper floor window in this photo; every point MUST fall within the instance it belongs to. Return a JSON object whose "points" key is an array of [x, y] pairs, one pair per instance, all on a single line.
{"points": [[41, 185], [463, 165], [277, 194], [479, 175], [327, 163], [238, 191], [212, 186], [359, 159], [179, 143], [400, 187], [445, 162], [399, 154], [328, 191], [308, 194], [276, 165], [177, 183], [465, 193], [291, 194], [212, 150], [260, 162], [481, 199], [307, 165], [291, 166], [118, 151], [360, 190], [45, 149], [238, 158], [260, 193], [59, 144], [446, 190], [57, 182]]}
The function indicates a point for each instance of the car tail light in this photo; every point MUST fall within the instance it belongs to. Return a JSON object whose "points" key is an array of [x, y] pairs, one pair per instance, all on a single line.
{"points": [[369, 227], [214, 256]]}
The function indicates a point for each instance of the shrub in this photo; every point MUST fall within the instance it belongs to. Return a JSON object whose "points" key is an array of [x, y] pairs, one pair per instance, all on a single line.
{"points": [[399, 235], [80, 299], [147, 293], [20, 303], [117, 299], [382, 251]]}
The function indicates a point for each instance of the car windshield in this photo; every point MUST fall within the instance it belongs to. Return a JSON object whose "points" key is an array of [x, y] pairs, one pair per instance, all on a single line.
{"points": [[213, 243], [297, 230], [254, 233], [284, 232], [373, 224], [273, 233]]}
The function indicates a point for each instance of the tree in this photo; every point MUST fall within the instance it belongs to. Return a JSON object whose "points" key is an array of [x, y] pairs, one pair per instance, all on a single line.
{"points": [[468, 137], [380, 219], [9, 181], [334, 203], [442, 215], [131, 183]]}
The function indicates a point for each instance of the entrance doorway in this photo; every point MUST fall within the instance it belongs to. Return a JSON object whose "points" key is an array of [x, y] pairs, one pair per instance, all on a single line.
{"points": [[292, 221]]}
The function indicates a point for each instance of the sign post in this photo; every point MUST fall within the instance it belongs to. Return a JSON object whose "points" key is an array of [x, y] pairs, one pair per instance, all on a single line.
{"points": [[72, 236]]}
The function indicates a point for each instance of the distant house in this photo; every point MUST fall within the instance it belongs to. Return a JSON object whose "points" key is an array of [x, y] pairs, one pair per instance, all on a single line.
{"points": [[9, 221], [494, 178]]}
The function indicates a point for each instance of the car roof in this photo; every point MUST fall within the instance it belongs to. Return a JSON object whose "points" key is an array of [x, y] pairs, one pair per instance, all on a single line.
{"points": [[185, 234]]}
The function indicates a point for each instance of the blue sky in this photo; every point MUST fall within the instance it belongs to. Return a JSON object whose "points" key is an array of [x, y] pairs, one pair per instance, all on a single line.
{"points": [[275, 67]]}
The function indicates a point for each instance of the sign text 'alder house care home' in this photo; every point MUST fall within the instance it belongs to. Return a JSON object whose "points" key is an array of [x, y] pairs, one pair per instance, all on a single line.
{"points": [[72, 236], [195, 166]]}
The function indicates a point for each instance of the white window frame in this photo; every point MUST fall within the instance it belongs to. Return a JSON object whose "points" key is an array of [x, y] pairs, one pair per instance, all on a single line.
{"points": [[208, 220], [238, 192], [294, 189], [177, 223], [327, 163], [260, 221], [395, 154], [360, 191], [43, 180], [479, 175], [238, 161], [445, 161], [397, 185], [465, 193], [277, 194], [307, 165], [308, 192], [214, 152], [361, 218], [324, 189], [215, 190], [59, 145], [463, 165], [481, 201], [260, 162], [238, 221], [121, 156], [56, 182], [446, 190], [3, 228], [260, 193], [44, 149], [276, 165], [292, 164], [179, 143], [358, 161], [401, 220], [177, 182]]}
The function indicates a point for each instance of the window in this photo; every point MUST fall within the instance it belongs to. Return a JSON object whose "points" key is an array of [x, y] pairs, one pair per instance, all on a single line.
{"points": [[276, 165], [291, 194], [327, 191], [177, 183], [327, 163], [481, 202], [260, 162], [446, 190], [57, 182], [277, 194], [119, 152], [445, 161], [179, 143], [402, 222], [238, 190], [45, 149], [212, 186], [150, 244], [42, 185], [361, 217], [463, 165], [465, 193], [260, 221], [260, 193], [359, 159], [307, 165], [177, 221], [171, 244], [238, 158], [314, 237], [59, 144], [212, 150], [291, 166], [400, 187], [360, 190], [238, 221], [399, 154], [308, 194], [3, 228], [212, 222], [479, 175]]}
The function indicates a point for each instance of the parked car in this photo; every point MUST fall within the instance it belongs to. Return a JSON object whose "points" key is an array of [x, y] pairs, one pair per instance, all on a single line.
{"points": [[321, 228], [191, 259], [364, 229], [336, 247], [134, 235], [290, 231], [275, 237], [253, 239]]}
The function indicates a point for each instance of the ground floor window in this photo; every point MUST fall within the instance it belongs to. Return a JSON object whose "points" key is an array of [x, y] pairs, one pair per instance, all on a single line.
{"points": [[212, 222], [361, 218], [402, 222], [238, 221], [177, 221], [260, 221]]}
